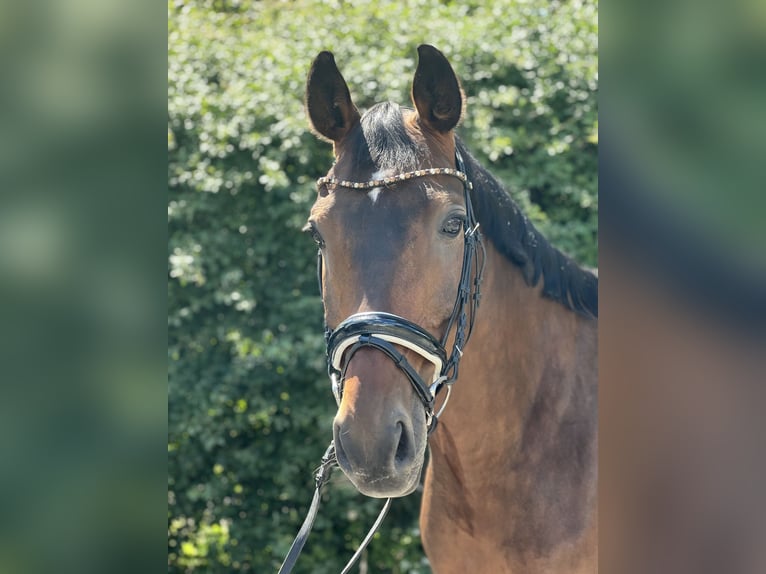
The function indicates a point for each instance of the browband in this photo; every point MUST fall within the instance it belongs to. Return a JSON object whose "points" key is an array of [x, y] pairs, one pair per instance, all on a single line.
{"points": [[395, 178]]}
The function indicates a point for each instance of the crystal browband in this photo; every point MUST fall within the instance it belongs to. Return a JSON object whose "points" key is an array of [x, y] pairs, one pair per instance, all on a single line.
{"points": [[396, 178]]}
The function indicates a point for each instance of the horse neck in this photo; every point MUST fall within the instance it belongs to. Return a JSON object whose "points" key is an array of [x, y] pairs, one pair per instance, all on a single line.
{"points": [[526, 391]]}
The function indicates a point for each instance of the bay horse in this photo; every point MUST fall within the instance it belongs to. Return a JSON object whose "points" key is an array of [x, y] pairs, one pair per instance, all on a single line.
{"points": [[413, 233]]}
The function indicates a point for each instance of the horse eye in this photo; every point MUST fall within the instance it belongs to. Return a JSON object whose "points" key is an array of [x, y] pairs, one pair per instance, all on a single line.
{"points": [[311, 229], [453, 226]]}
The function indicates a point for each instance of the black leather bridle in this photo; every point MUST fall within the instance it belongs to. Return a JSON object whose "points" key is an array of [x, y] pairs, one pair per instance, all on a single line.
{"points": [[388, 333], [385, 331]]}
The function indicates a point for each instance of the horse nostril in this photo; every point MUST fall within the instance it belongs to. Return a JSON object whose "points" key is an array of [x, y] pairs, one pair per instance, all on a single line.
{"points": [[403, 450]]}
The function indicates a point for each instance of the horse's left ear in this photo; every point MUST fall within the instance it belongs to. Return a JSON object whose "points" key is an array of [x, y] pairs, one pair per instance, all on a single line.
{"points": [[436, 90]]}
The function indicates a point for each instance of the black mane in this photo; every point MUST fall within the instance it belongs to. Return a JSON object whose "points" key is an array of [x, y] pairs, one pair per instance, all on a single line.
{"points": [[515, 237], [384, 143]]}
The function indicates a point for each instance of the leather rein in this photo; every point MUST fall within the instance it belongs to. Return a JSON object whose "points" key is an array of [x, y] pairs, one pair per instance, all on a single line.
{"points": [[387, 333]]}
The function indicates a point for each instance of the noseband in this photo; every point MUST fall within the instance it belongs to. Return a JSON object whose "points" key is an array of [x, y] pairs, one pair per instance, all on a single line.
{"points": [[385, 331]]}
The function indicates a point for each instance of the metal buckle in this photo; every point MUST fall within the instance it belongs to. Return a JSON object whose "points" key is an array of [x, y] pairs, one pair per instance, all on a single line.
{"points": [[441, 381], [336, 388]]}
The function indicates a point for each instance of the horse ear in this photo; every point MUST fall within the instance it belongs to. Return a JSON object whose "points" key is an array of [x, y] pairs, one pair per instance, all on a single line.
{"points": [[436, 90], [328, 101]]}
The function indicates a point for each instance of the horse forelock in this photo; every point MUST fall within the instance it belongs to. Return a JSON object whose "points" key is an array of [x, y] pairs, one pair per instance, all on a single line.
{"points": [[382, 142], [391, 139]]}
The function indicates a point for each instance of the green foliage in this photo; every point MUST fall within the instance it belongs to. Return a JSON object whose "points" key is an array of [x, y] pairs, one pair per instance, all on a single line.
{"points": [[249, 405]]}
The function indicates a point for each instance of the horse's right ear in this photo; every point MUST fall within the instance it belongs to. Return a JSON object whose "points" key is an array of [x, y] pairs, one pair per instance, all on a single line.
{"points": [[436, 90], [328, 101]]}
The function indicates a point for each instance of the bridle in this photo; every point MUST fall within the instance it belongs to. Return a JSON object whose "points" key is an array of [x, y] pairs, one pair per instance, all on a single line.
{"points": [[386, 331]]}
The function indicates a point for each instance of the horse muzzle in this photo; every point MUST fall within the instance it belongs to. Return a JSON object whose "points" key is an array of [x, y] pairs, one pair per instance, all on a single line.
{"points": [[384, 460]]}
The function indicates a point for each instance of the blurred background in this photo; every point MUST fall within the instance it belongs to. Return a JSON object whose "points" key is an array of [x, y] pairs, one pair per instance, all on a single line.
{"points": [[682, 287], [250, 407], [82, 286]]}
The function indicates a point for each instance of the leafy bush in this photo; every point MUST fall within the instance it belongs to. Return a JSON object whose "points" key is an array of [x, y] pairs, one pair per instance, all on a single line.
{"points": [[250, 408]]}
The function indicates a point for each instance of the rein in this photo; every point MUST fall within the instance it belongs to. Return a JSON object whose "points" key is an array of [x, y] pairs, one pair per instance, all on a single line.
{"points": [[385, 332]]}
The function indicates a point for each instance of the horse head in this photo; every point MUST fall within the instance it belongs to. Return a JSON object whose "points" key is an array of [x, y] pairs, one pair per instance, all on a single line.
{"points": [[390, 219]]}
